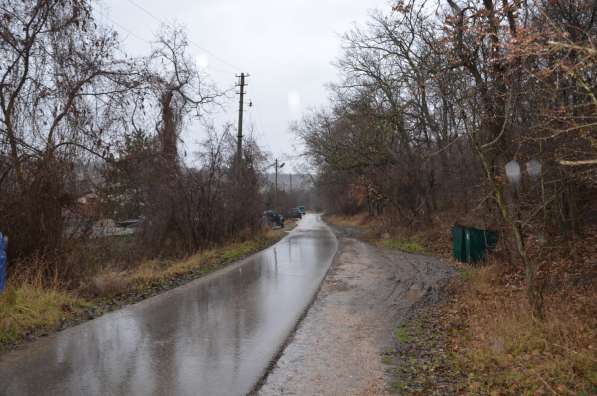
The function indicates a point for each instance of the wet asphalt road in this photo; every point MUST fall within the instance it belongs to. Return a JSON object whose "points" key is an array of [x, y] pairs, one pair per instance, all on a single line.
{"points": [[213, 336]]}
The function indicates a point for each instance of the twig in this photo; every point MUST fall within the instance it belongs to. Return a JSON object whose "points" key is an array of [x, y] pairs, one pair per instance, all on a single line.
{"points": [[547, 385], [570, 350], [578, 163]]}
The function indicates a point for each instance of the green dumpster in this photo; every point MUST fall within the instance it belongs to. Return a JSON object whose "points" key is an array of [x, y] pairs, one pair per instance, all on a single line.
{"points": [[458, 243], [470, 245]]}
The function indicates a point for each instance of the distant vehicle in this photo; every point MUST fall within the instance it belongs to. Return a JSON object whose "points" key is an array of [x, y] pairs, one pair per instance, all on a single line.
{"points": [[131, 223], [294, 213], [302, 209], [273, 218]]}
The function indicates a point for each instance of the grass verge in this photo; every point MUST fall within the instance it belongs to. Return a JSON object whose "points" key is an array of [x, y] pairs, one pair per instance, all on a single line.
{"points": [[482, 340], [27, 307], [421, 364], [374, 230], [30, 307], [404, 246], [507, 352], [153, 273]]}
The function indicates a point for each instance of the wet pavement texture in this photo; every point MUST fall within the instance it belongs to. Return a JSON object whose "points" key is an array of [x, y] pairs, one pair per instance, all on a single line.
{"points": [[214, 336], [339, 346]]}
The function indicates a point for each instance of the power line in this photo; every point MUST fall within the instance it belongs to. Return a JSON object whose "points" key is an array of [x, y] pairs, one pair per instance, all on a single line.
{"points": [[255, 122], [259, 125], [223, 61], [129, 31], [105, 14]]}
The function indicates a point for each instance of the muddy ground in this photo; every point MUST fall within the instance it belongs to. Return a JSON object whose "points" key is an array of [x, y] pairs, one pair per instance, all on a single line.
{"points": [[347, 342]]}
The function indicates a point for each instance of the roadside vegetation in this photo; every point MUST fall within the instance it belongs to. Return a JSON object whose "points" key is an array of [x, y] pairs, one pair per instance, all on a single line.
{"points": [[33, 305], [485, 111], [27, 307], [154, 273], [483, 115], [404, 246], [102, 201], [482, 337], [482, 340], [505, 350]]}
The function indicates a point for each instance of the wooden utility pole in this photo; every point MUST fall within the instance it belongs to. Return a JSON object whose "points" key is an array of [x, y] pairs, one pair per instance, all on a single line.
{"points": [[239, 143]]}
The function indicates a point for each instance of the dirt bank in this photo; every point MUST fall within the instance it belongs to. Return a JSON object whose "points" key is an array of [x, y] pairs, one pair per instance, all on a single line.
{"points": [[341, 345]]}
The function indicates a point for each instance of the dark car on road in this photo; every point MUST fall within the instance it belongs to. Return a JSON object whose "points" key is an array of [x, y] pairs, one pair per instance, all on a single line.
{"points": [[301, 209], [273, 219], [293, 213]]}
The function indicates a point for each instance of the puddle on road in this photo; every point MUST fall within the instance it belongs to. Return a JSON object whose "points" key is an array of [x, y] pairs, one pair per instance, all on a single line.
{"points": [[213, 336]]}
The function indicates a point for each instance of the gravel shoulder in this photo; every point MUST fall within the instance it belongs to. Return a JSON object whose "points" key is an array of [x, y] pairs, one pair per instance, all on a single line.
{"points": [[347, 339]]}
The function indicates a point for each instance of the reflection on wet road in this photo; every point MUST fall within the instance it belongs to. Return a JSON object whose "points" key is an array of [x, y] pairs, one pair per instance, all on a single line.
{"points": [[213, 336]]}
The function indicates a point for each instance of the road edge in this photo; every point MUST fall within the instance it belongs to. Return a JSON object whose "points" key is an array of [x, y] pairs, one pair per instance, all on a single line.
{"points": [[102, 308], [272, 364]]}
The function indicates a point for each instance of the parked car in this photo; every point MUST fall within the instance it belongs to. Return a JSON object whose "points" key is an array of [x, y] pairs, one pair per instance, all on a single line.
{"points": [[273, 219], [293, 213], [301, 209]]}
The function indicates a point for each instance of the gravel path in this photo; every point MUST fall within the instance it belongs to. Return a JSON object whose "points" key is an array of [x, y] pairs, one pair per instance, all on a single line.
{"points": [[339, 345]]}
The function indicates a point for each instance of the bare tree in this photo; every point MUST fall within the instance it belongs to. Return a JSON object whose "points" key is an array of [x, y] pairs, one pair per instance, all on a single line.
{"points": [[61, 88], [180, 94], [433, 103]]}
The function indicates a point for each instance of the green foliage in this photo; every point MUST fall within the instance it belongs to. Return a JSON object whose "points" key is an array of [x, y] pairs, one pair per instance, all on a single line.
{"points": [[402, 335], [27, 308], [387, 359], [122, 195], [405, 246], [239, 250], [466, 274]]}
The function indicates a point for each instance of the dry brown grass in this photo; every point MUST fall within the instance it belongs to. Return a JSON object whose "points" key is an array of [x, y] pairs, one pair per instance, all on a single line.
{"points": [[111, 282], [37, 299], [358, 220], [428, 238], [506, 351], [494, 340], [33, 302]]}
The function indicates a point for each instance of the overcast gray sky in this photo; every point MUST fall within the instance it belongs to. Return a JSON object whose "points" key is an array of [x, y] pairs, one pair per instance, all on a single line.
{"points": [[287, 46]]}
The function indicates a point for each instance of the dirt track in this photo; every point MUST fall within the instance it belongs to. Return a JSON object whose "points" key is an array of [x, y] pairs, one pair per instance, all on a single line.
{"points": [[339, 346]]}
